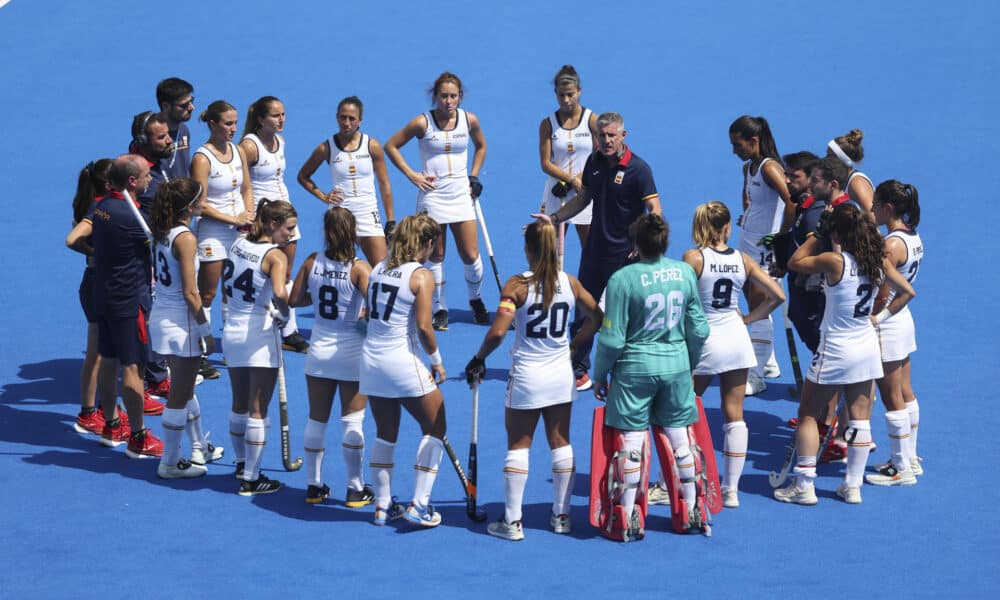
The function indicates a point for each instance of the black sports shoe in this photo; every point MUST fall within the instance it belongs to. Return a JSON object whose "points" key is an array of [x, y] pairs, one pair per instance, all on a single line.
{"points": [[440, 322], [295, 343], [239, 470], [479, 313], [262, 485], [359, 498], [207, 370], [317, 494]]}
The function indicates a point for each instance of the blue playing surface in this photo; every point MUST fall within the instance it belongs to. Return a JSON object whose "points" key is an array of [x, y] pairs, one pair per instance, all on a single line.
{"points": [[79, 520]]}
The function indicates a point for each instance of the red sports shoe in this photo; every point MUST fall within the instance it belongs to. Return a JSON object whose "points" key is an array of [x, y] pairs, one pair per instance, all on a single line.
{"points": [[112, 437], [150, 406], [160, 390], [583, 383], [793, 422], [92, 423], [143, 444]]}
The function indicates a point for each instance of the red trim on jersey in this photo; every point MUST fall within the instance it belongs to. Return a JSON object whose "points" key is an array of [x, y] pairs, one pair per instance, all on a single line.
{"points": [[626, 157], [840, 200], [809, 201]]}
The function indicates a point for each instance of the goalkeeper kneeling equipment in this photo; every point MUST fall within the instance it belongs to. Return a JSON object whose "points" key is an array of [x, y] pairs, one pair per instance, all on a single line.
{"points": [[685, 519], [607, 483]]}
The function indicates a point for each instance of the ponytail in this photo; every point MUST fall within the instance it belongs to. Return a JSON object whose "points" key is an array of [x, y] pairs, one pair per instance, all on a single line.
{"points": [[540, 246]]}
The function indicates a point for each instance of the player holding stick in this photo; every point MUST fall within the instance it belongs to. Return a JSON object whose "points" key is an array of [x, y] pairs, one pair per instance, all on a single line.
{"points": [[253, 280], [848, 358], [393, 376], [541, 384], [722, 273], [335, 282], [447, 186]]}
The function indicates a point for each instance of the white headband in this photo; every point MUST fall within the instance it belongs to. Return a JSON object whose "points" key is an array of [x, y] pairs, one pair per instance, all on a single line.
{"points": [[835, 148]]}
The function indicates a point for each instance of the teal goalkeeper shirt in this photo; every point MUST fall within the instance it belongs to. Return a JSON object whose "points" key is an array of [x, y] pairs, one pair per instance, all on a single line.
{"points": [[653, 321]]}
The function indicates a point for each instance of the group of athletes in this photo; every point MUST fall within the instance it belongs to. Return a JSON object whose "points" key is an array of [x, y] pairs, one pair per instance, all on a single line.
{"points": [[158, 218]]}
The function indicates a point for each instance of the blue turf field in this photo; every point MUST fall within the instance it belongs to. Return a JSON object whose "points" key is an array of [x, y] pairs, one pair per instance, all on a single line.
{"points": [[918, 78]]}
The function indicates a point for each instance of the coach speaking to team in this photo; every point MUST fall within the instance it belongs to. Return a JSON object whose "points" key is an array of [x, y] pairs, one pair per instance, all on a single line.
{"points": [[622, 189]]}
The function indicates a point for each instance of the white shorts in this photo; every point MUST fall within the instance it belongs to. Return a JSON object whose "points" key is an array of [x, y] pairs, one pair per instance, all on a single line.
{"points": [[214, 239], [335, 355], [727, 348], [394, 373], [449, 202], [552, 204], [846, 359], [897, 337], [366, 216], [172, 332], [249, 341], [750, 244], [540, 385]]}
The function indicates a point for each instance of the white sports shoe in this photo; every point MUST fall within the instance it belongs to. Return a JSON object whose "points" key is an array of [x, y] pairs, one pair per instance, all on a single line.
{"points": [[425, 518], [887, 474], [916, 466], [755, 385], [182, 470], [850, 495], [658, 494], [508, 531], [771, 369], [558, 523], [730, 498], [204, 455], [793, 495]]}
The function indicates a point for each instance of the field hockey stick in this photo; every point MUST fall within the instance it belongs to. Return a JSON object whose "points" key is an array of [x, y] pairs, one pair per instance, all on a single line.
{"points": [[286, 451], [469, 488], [470, 499], [486, 238], [562, 243], [777, 479], [138, 216], [793, 352]]}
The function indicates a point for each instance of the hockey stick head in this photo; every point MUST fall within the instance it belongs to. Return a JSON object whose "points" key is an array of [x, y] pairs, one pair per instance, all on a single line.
{"points": [[777, 479], [477, 516], [293, 465]]}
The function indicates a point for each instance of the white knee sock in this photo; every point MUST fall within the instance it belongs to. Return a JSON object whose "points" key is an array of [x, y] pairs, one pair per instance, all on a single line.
{"points": [[515, 476], [353, 443], [437, 270], [897, 423], [293, 325], [256, 437], [429, 454], [761, 334], [632, 472], [735, 453], [193, 425], [237, 434], [174, 420], [381, 468], [805, 472], [685, 462], [914, 411], [474, 278], [563, 474], [859, 444], [314, 440]]}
